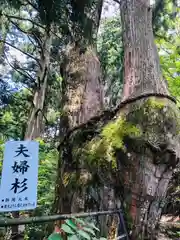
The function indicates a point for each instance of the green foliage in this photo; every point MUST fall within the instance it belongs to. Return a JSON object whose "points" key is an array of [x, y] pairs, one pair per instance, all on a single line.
{"points": [[167, 40], [5, 93], [15, 115], [76, 229], [170, 63], [55, 236], [164, 16], [51, 11], [47, 175], [173, 232], [111, 55], [148, 121], [165, 23]]}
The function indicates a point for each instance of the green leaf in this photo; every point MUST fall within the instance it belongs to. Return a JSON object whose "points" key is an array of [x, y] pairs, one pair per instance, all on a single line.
{"points": [[72, 237], [89, 230], [93, 226], [79, 221], [55, 236], [84, 234], [67, 229], [71, 224]]}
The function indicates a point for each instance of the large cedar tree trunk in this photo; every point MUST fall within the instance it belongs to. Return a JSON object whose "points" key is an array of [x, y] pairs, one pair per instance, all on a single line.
{"points": [[135, 147], [149, 158], [82, 99]]}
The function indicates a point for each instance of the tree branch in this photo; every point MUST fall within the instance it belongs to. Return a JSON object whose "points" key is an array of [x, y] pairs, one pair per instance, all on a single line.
{"points": [[20, 50], [32, 5], [34, 45], [27, 75], [23, 74], [38, 41], [47, 122], [29, 33], [23, 19], [29, 20], [19, 28], [117, 1]]}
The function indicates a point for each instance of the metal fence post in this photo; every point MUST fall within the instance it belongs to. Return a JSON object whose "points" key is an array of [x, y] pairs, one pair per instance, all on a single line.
{"points": [[122, 226]]}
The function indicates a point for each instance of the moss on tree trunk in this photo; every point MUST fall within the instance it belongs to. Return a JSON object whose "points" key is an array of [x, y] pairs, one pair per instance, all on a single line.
{"points": [[134, 154]]}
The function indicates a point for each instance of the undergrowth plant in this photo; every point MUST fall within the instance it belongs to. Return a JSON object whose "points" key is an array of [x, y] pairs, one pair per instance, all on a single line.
{"points": [[76, 229]]}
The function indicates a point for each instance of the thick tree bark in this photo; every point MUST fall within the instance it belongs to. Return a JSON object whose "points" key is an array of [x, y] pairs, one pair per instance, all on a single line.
{"points": [[82, 100], [142, 72], [142, 139], [147, 178], [84, 87]]}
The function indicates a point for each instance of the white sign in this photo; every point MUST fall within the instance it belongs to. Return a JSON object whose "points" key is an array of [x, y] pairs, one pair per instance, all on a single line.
{"points": [[152, 2], [19, 176]]}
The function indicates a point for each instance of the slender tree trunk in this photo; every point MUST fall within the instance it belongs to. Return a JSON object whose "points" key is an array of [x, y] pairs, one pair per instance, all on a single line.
{"points": [[151, 157], [34, 125]]}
